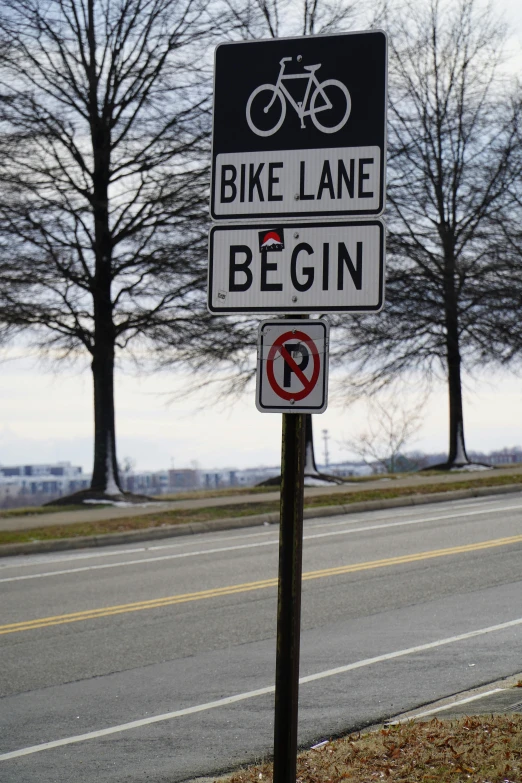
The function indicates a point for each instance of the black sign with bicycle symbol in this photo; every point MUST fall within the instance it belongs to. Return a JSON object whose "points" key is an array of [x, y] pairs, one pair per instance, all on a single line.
{"points": [[300, 93]]}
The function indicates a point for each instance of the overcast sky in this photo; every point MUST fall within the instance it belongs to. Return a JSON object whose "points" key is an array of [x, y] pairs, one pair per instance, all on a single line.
{"points": [[47, 416]]}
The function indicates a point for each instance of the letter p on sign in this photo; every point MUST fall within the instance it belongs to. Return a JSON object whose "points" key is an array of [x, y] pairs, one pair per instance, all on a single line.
{"points": [[292, 366]]}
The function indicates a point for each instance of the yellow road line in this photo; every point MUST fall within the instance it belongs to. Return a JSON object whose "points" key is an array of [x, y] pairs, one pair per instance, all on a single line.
{"points": [[155, 603], [152, 603], [456, 550]]}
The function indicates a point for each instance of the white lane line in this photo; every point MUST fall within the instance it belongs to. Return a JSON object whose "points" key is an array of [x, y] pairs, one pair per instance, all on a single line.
{"points": [[257, 545], [33, 560], [45, 559], [140, 561], [450, 706], [135, 724]]}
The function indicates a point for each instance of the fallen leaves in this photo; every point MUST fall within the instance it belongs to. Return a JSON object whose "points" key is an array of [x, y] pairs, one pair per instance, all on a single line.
{"points": [[483, 749]]}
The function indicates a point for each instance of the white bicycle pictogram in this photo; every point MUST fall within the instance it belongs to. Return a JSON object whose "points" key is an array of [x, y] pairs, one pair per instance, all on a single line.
{"points": [[278, 90]]}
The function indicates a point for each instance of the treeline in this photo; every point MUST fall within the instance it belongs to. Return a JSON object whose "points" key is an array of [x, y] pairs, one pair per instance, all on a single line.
{"points": [[105, 119]]}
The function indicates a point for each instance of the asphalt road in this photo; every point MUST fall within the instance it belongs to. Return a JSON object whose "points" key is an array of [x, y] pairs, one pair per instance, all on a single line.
{"points": [[156, 662]]}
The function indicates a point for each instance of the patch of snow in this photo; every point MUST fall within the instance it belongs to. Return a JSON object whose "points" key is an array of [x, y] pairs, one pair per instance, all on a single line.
{"points": [[125, 504], [470, 466], [111, 488], [309, 459], [460, 454], [311, 481]]}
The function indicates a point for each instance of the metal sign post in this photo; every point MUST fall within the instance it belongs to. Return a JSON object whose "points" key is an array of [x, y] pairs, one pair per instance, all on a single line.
{"points": [[293, 363], [289, 597]]}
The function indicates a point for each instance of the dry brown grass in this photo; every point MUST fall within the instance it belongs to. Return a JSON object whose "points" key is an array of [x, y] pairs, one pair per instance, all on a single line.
{"points": [[482, 749]]}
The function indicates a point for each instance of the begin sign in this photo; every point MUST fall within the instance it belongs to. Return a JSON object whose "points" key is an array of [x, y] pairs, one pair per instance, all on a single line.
{"points": [[297, 267]]}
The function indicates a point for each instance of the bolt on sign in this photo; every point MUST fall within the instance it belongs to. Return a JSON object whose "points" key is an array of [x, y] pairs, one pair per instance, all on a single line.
{"points": [[292, 366], [299, 127], [300, 267]]}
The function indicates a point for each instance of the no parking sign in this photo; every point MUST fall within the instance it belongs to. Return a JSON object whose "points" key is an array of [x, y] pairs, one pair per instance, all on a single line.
{"points": [[292, 366]]}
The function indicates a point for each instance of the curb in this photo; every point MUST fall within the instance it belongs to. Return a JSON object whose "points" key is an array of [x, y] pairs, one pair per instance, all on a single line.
{"points": [[191, 528], [477, 696]]}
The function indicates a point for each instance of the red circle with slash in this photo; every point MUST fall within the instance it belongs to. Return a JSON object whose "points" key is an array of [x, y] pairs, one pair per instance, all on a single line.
{"points": [[278, 347]]}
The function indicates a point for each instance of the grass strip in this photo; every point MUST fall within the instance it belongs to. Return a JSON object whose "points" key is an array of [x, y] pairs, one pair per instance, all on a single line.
{"points": [[146, 521], [193, 494], [385, 493], [480, 749], [204, 494], [180, 516]]}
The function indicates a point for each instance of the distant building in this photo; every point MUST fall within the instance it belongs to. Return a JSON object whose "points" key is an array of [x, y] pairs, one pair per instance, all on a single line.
{"points": [[250, 477], [34, 484], [506, 456], [221, 478], [160, 482], [185, 478], [345, 469], [146, 482]]}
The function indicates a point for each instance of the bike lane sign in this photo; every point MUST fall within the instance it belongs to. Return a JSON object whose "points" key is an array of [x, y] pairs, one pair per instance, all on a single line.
{"points": [[299, 127], [292, 366]]}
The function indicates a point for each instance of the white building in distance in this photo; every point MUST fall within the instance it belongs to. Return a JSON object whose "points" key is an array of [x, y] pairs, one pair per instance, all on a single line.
{"points": [[33, 484]]}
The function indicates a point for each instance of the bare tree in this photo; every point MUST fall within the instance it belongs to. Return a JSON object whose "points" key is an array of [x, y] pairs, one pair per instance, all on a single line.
{"points": [[105, 126], [453, 159], [391, 426], [280, 18], [506, 310], [222, 350]]}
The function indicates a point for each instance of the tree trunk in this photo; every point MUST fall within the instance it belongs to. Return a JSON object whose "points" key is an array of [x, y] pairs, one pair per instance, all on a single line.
{"points": [[105, 478], [457, 450]]}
